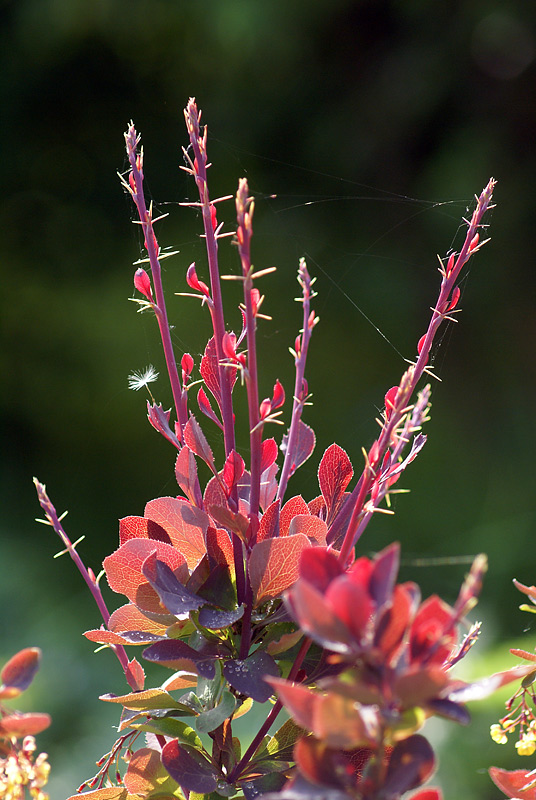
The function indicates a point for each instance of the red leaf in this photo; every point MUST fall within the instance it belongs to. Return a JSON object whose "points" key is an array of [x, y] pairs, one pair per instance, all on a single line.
{"points": [[123, 571], [186, 475], [204, 404], [185, 524], [237, 523], [142, 283], [319, 567], [427, 794], [268, 454], [233, 470], [334, 474], [19, 671], [159, 419], [316, 617], [293, 507], [144, 767], [278, 397], [136, 674], [130, 618], [214, 494], [109, 793], [24, 724], [196, 441], [310, 526], [268, 486], [220, 548], [390, 398], [210, 371], [297, 699], [141, 528], [273, 566], [511, 782], [303, 447], [433, 635], [269, 525]]}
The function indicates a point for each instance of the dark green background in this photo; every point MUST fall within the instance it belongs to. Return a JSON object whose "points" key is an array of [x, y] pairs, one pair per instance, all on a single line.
{"points": [[374, 123]]}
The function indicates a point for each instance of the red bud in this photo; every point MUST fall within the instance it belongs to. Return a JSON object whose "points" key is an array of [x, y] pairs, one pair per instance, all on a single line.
{"points": [[142, 283], [278, 397]]}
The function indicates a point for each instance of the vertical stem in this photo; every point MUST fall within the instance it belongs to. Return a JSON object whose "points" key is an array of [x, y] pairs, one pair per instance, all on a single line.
{"points": [[300, 390], [151, 244], [450, 274], [199, 146]]}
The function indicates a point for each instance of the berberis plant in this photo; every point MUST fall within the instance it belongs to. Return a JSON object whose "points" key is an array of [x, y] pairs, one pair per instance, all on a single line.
{"points": [[250, 597]]}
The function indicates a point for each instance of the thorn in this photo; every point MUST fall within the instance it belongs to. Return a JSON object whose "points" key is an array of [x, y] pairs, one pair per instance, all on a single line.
{"points": [[70, 548]]}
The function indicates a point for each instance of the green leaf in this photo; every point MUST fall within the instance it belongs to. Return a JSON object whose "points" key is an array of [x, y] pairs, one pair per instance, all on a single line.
{"points": [[174, 728], [282, 743], [148, 700], [212, 719]]}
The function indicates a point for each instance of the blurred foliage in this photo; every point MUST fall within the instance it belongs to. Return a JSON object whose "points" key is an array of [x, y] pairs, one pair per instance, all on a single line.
{"points": [[364, 129]]}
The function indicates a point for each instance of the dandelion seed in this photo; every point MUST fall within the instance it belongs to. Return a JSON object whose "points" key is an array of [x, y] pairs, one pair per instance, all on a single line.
{"points": [[138, 379]]}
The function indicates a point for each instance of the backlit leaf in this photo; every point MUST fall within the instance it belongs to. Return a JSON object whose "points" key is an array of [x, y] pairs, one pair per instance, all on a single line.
{"points": [[144, 770], [334, 474], [124, 574], [185, 524], [190, 768], [220, 548], [235, 522], [209, 370], [268, 454], [269, 524], [281, 744], [186, 475], [303, 448], [268, 486], [310, 526], [317, 618], [197, 442], [141, 528], [130, 618], [274, 566], [293, 507], [233, 470]]}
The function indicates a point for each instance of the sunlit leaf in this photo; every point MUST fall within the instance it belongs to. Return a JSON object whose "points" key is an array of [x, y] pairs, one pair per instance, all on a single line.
{"points": [[269, 524], [172, 728], [220, 547], [273, 566], [179, 655], [141, 528], [130, 618], [145, 771], [124, 574], [303, 447], [281, 744], [293, 507], [108, 793], [268, 454], [186, 475], [147, 700], [247, 675], [197, 442], [178, 600], [185, 524], [334, 474], [312, 527]]}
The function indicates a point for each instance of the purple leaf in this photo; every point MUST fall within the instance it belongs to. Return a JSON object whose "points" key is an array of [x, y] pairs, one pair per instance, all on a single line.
{"points": [[216, 618], [179, 655], [411, 763], [247, 676], [190, 768], [178, 600]]}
